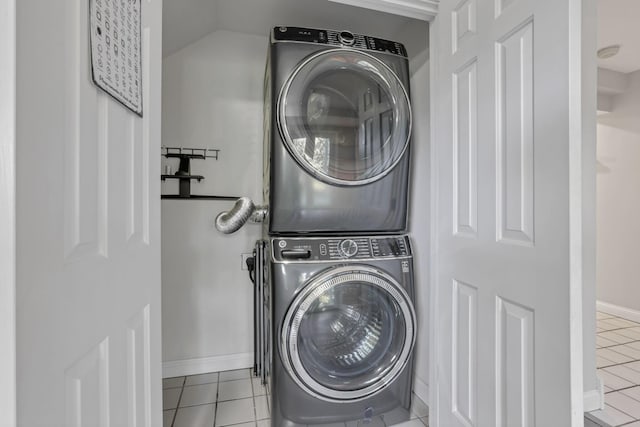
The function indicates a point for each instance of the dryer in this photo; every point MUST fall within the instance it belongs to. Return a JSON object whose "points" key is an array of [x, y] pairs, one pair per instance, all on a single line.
{"points": [[344, 328], [337, 128]]}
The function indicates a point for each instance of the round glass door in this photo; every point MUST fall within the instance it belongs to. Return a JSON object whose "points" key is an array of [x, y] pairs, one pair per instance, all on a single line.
{"points": [[345, 117], [349, 333]]}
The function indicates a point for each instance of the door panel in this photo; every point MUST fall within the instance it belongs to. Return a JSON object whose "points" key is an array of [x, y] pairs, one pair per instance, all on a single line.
{"points": [[88, 236], [505, 257]]}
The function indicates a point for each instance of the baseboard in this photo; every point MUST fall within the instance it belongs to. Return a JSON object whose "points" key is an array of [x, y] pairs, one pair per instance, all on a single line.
{"points": [[616, 310], [227, 362], [593, 400], [421, 389]]}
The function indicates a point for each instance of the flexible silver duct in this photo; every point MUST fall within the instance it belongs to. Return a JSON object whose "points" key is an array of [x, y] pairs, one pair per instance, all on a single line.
{"points": [[243, 211]]}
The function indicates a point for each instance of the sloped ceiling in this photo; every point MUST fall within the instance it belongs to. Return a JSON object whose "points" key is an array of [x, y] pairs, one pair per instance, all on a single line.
{"points": [[185, 21]]}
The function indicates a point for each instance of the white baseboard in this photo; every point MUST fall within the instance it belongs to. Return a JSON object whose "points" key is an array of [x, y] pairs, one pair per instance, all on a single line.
{"points": [[227, 362], [616, 310], [593, 400], [421, 389]]}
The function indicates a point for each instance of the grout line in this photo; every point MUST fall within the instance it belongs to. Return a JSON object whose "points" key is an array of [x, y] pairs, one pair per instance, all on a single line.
{"points": [[175, 414]]}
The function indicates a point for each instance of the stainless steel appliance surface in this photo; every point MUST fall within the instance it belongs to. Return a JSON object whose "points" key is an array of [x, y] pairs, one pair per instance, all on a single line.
{"points": [[344, 328], [337, 132]]}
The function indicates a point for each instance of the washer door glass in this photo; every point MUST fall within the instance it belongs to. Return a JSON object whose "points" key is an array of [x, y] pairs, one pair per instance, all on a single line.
{"points": [[349, 333], [345, 117]]}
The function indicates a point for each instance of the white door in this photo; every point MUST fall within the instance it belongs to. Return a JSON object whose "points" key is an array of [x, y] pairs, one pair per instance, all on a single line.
{"points": [[507, 285], [88, 228]]}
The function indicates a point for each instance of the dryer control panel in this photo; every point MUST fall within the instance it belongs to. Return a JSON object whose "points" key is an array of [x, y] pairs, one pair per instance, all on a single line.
{"points": [[318, 249], [338, 38]]}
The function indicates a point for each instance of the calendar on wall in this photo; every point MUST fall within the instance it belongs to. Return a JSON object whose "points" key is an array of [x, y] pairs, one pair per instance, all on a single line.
{"points": [[116, 63]]}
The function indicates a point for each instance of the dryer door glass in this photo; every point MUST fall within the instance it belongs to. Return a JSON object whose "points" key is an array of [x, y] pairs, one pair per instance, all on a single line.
{"points": [[349, 334], [345, 117]]}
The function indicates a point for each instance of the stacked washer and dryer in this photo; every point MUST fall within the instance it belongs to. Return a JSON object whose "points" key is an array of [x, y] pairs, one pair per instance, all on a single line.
{"points": [[337, 323]]}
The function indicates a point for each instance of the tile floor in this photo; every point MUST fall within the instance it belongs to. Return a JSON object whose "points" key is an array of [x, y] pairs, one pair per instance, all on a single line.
{"points": [[234, 398], [618, 363]]}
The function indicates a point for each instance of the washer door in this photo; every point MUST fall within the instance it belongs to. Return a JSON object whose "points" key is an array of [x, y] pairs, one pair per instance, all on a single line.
{"points": [[345, 117], [348, 333]]}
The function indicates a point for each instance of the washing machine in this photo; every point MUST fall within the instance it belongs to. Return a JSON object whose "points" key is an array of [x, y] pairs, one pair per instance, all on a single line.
{"points": [[337, 132], [344, 328]]}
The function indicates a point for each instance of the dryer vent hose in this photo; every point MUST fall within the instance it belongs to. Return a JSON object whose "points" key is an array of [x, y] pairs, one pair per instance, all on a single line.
{"points": [[243, 211]]}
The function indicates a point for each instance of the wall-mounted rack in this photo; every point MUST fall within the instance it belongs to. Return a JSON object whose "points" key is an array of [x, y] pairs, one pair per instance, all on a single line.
{"points": [[183, 174]]}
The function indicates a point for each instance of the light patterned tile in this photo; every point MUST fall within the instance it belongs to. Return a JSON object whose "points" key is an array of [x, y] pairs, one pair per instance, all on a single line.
{"points": [[624, 403], [411, 423], [615, 357], [234, 412], [262, 408], [237, 389], [629, 333], [624, 372], [167, 417], [632, 392], [258, 388], [615, 337], [604, 342], [627, 350], [602, 315], [607, 325], [375, 422], [195, 416], [170, 398], [602, 362], [202, 379], [418, 407], [617, 418], [613, 381], [199, 394], [635, 365], [172, 382], [238, 374], [623, 323]]}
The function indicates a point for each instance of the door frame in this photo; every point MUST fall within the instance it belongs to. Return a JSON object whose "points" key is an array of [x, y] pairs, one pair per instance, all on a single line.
{"points": [[7, 212]]}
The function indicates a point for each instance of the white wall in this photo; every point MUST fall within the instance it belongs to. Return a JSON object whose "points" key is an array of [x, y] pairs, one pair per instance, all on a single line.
{"points": [[419, 215], [618, 200], [212, 97]]}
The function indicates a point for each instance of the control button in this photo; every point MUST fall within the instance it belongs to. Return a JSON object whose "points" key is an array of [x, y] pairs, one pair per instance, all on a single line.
{"points": [[346, 38], [295, 254], [283, 29], [348, 248], [323, 249]]}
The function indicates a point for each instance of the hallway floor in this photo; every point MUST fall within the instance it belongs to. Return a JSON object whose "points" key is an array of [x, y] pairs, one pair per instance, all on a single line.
{"points": [[236, 398], [618, 362]]}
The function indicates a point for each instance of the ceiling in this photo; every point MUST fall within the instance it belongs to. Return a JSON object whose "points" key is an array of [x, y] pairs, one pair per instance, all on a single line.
{"points": [[618, 24], [185, 21]]}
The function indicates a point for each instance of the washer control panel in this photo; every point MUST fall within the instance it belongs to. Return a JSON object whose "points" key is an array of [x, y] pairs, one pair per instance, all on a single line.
{"points": [[337, 38], [296, 249]]}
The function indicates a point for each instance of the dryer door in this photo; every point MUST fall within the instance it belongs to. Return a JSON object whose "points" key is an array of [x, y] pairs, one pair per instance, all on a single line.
{"points": [[348, 333], [345, 117]]}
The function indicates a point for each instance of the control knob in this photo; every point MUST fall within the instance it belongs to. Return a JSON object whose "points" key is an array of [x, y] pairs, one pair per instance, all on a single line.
{"points": [[346, 38], [348, 248]]}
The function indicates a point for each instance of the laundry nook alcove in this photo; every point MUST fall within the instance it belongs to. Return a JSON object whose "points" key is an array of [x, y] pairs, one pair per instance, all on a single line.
{"points": [[214, 61]]}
